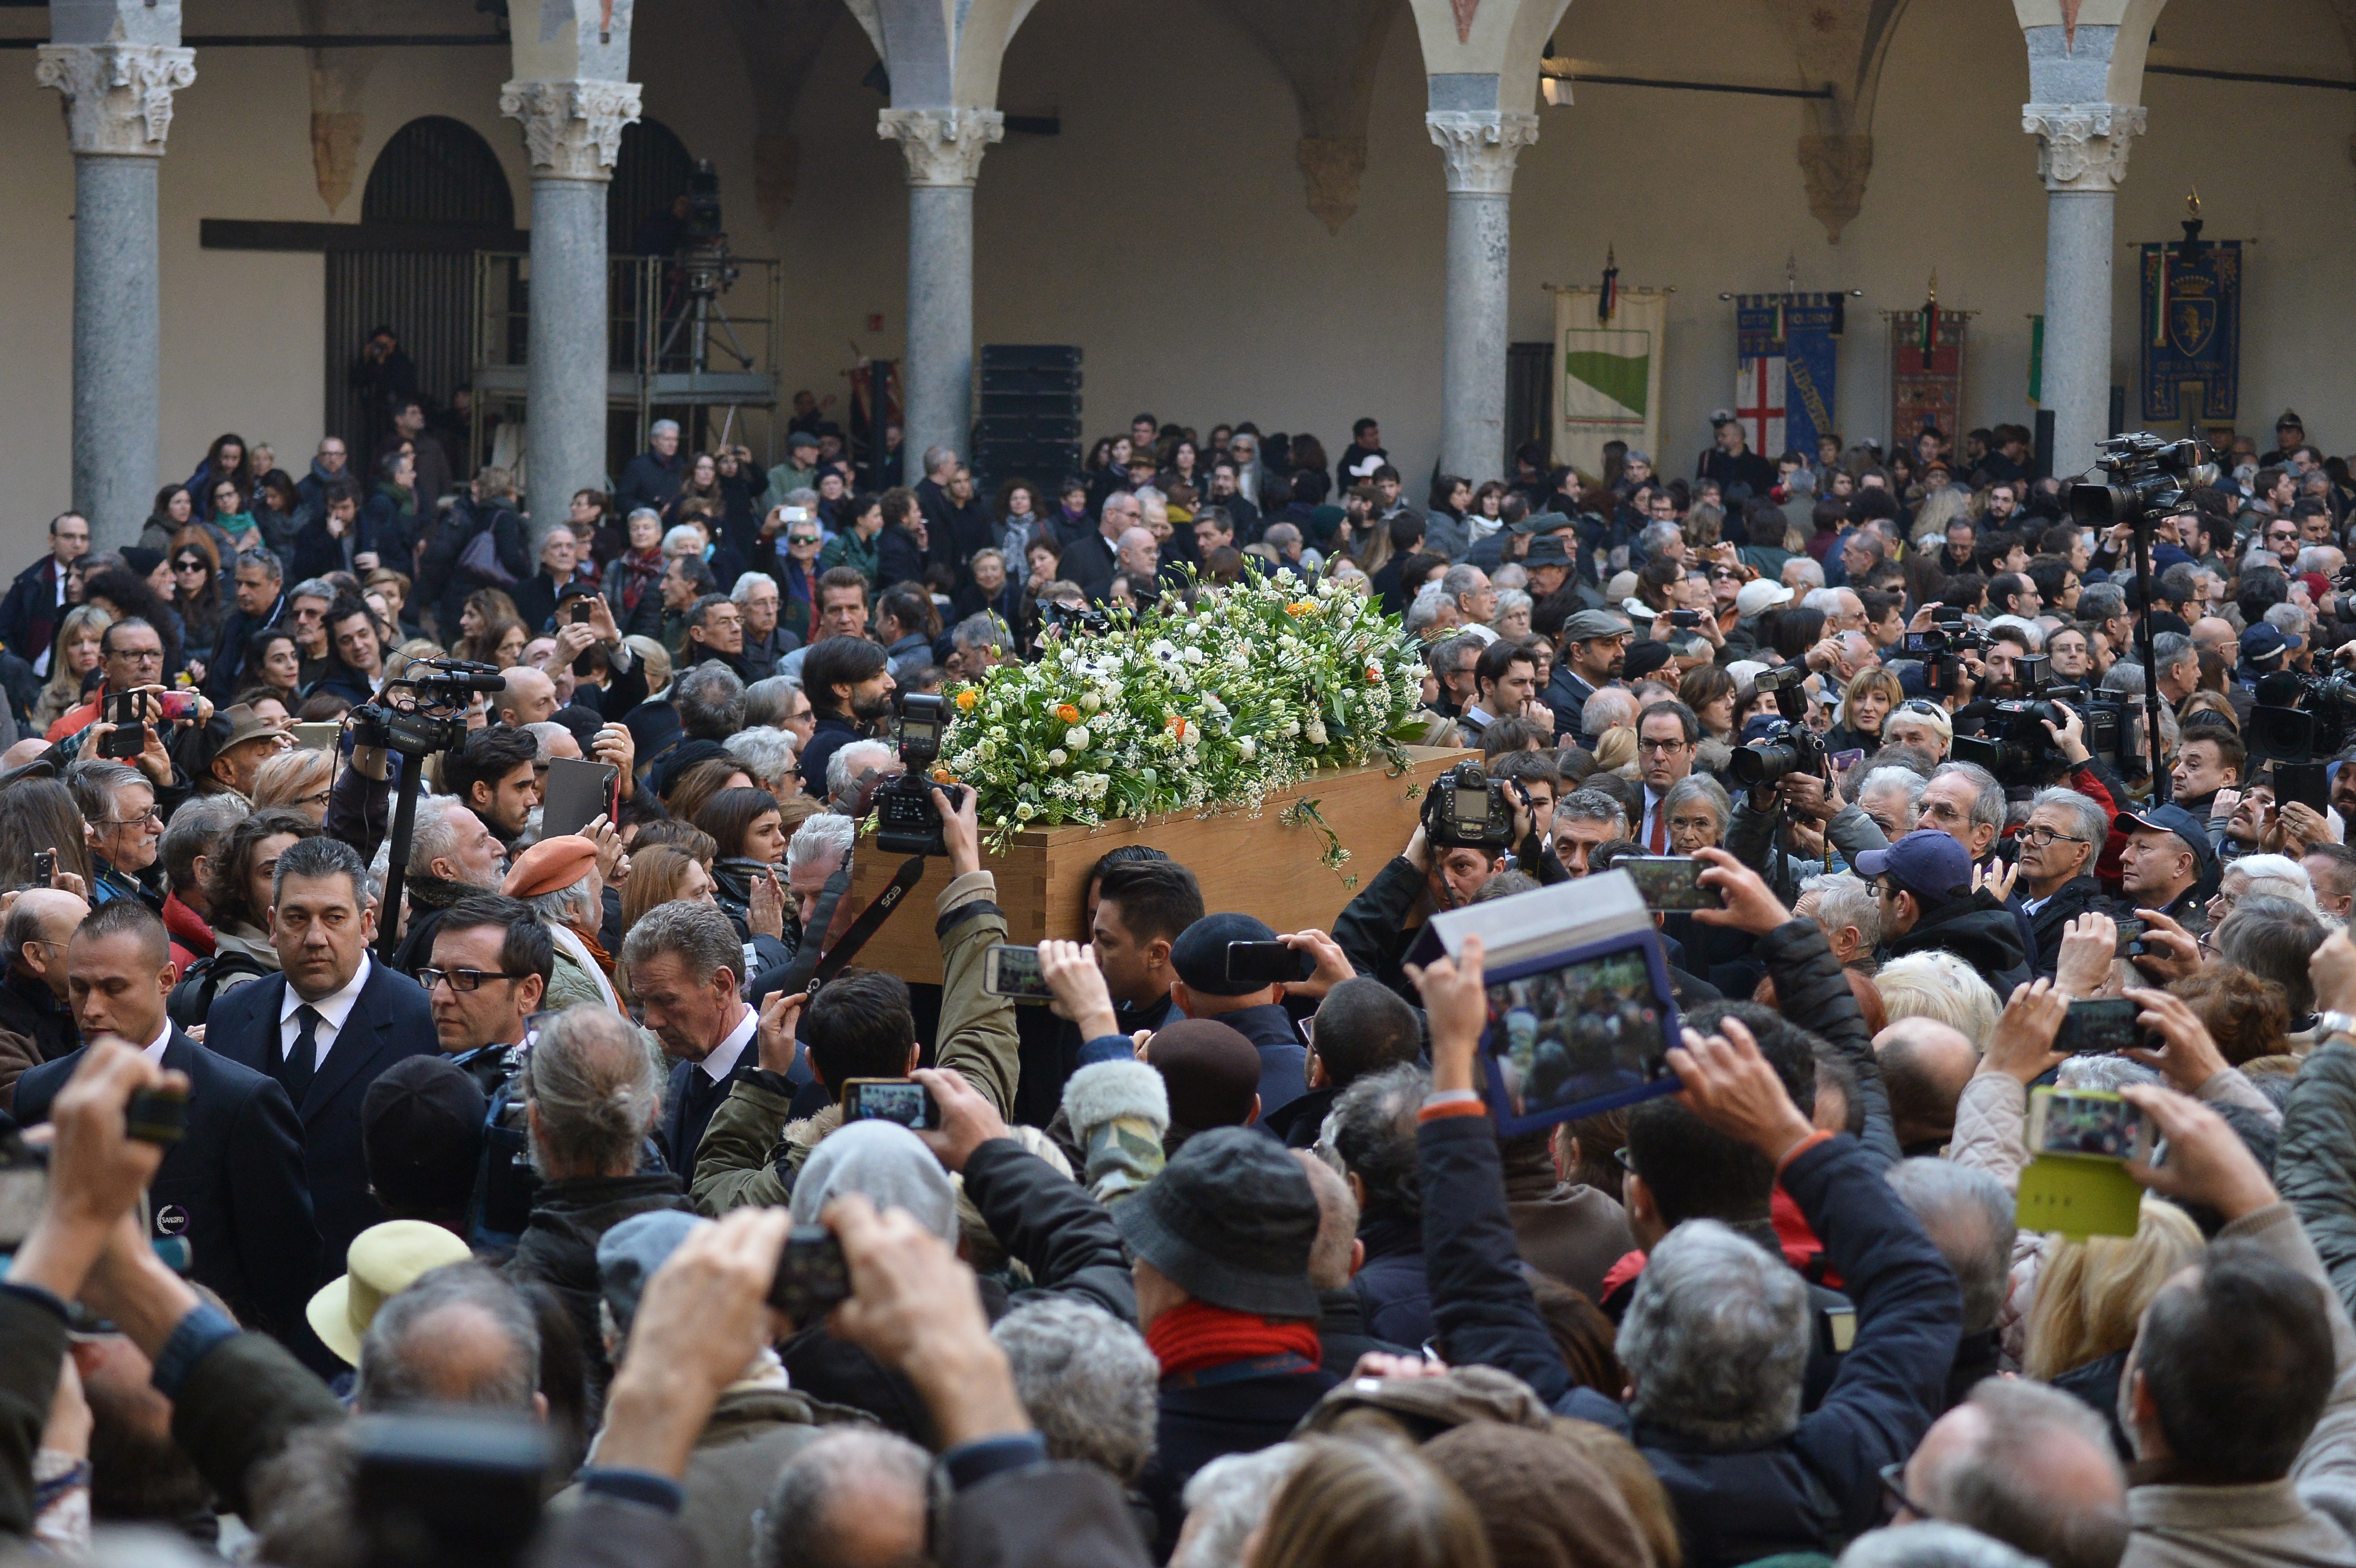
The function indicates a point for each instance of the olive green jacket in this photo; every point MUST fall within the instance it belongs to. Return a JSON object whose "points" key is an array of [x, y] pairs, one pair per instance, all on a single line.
{"points": [[751, 1155]]}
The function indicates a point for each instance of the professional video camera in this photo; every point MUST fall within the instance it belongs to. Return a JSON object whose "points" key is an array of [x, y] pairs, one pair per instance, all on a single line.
{"points": [[2299, 718], [703, 202], [907, 817], [2018, 749], [424, 713], [1466, 809], [2148, 475], [1941, 647], [1790, 747], [1054, 617]]}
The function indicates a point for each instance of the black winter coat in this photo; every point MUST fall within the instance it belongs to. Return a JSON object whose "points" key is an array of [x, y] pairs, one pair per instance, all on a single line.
{"points": [[2073, 899], [1978, 930], [559, 1244]]}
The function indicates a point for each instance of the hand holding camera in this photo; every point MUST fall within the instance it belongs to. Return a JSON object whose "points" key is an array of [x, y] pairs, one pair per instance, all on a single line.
{"points": [[1734, 1090], [1748, 903], [2205, 1160], [2023, 1045], [2187, 1054], [2090, 942], [2170, 952], [1070, 970], [97, 1167], [968, 1119]]}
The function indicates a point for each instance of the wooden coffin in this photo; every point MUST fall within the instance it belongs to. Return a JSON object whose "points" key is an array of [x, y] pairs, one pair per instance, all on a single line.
{"points": [[1260, 863]]}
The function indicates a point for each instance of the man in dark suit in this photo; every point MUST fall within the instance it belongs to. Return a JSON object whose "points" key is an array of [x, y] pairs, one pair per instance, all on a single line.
{"points": [[324, 1027], [233, 1185], [1094, 560], [684, 962]]}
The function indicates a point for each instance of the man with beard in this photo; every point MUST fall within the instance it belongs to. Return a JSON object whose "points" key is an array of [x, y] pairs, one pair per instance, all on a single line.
{"points": [[1594, 648], [849, 681], [452, 856]]}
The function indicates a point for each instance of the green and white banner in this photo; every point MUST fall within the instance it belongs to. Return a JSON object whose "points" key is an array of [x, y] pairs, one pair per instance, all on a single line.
{"points": [[1609, 385]]}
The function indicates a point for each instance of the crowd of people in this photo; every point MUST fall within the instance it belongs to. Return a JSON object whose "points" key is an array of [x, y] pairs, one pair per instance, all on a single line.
{"points": [[564, 1136]]}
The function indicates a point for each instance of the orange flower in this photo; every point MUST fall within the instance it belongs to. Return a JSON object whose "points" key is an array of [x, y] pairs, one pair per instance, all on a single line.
{"points": [[1374, 675], [1068, 714], [942, 775], [1298, 607], [967, 699], [1175, 725]]}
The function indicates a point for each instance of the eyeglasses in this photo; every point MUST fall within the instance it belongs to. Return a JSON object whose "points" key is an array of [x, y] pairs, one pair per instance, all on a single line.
{"points": [[187, 566], [1893, 1491], [462, 979], [138, 656], [2036, 833], [1927, 709], [1661, 747], [152, 814], [1620, 1157]]}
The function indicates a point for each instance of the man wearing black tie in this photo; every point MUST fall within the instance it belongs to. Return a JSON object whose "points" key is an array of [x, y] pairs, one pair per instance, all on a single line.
{"points": [[233, 1185], [685, 964], [324, 1026]]}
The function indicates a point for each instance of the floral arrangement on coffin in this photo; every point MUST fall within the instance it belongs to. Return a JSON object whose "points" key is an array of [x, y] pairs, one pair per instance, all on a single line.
{"points": [[1247, 691]]}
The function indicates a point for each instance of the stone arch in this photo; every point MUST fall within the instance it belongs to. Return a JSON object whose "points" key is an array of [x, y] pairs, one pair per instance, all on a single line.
{"points": [[438, 170], [650, 172]]}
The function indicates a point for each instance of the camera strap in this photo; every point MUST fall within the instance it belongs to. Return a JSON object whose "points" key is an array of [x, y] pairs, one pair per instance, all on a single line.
{"points": [[811, 970]]}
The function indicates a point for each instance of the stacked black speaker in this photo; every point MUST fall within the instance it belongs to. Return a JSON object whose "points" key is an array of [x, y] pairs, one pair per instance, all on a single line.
{"points": [[1029, 426]]}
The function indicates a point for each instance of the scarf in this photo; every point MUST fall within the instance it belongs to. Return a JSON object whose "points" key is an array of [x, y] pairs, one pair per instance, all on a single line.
{"points": [[188, 927], [640, 571], [437, 892], [589, 941], [1197, 1336]]}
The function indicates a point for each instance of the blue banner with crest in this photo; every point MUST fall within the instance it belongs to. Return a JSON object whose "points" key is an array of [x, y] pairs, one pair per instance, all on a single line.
{"points": [[2192, 330]]}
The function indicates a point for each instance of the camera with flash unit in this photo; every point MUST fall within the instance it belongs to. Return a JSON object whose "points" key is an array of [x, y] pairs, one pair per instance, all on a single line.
{"points": [[907, 817]]}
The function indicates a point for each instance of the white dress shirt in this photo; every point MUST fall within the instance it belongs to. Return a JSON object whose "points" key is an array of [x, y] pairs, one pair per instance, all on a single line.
{"points": [[333, 1010], [155, 1052], [729, 1051]]}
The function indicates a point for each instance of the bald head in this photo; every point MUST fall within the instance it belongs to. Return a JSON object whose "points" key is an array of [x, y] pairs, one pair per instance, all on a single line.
{"points": [[23, 752], [1925, 1065], [529, 699], [2214, 634], [40, 924], [1139, 551], [2028, 1466], [1332, 1257]]}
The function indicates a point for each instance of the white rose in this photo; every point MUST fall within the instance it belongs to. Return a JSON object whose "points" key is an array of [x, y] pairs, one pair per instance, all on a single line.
{"points": [[1077, 737], [1316, 733], [1024, 812], [1090, 702], [1247, 748], [1058, 757]]}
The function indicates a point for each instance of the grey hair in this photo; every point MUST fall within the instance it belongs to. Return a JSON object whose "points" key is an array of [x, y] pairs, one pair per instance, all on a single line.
{"points": [[1590, 805], [2087, 820], [2124, 677], [1425, 608], [711, 701], [1999, 1484], [322, 857], [765, 699], [2274, 876], [313, 588], [398, 1354], [434, 838], [2100, 600], [263, 561], [594, 1089], [637, 512], [1088, 1381], [979, 630], [1510, 600], [937, 455], [2027, 631], [745, 582], [569, 906], [802, 1524], [1228, 1499], [1889, 773], [1372, 1127], [1969, 1217], [1843, 899], [843, 768], [1930, 1543], [1279, 535], [95, 783], [2107, 1073], [1988, 795], [1716, 1339], [1826, 600], [663, 426], [1658, 536], [765, 753], [1806, 571], [2171, 648], [2281, 617], [681, 536], [1939, 985], [1701, 788], [546, 732], [826, 837], [1441, 657], [696, 933], [1610, 704], [1462, 579]]}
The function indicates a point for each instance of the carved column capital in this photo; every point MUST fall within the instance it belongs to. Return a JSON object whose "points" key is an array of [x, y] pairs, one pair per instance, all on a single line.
{"points": [[118, 96], [571, 128], [2082, 146], [1481, 146], [942, 146]]}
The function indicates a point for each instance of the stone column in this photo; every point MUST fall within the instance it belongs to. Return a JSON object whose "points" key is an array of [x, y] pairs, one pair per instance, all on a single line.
{"points": [[118, 111], [1479, 146], [2082, 153], [572, 131], [944, 148]]}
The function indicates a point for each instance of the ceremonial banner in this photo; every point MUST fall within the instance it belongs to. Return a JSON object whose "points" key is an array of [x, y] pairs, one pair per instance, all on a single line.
{"points": [[1611, 374], [2193, 330], [1787, 350], [1926, 389]]}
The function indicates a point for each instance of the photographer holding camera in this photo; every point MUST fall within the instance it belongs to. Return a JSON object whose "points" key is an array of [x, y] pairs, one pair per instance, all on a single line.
{"points": [[1470, 821], [1785, 782]]}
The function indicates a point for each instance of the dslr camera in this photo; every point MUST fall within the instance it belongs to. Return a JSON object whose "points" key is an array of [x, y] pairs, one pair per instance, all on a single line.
{"points": [[1067, 618], [907, 817], [1939, 647], [1790, 747], [1466, 809]]}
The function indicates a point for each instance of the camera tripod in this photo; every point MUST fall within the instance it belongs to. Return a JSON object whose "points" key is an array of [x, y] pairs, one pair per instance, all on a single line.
{"points": [[705, 273]]}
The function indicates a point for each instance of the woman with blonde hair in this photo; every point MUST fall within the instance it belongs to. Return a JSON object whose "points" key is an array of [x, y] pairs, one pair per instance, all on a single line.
{"points": [[77, 653], [1872, 696], [1615, 749], [2091, 1293], [298, 780]]}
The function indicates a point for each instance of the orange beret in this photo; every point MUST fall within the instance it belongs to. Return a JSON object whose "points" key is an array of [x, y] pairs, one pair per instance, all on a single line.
{"points": [[549, 865]]}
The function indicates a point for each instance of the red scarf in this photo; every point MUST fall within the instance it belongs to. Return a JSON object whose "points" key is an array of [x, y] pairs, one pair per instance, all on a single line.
{"points": [[187, 926], [641, 570], [1197, 1335]]}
